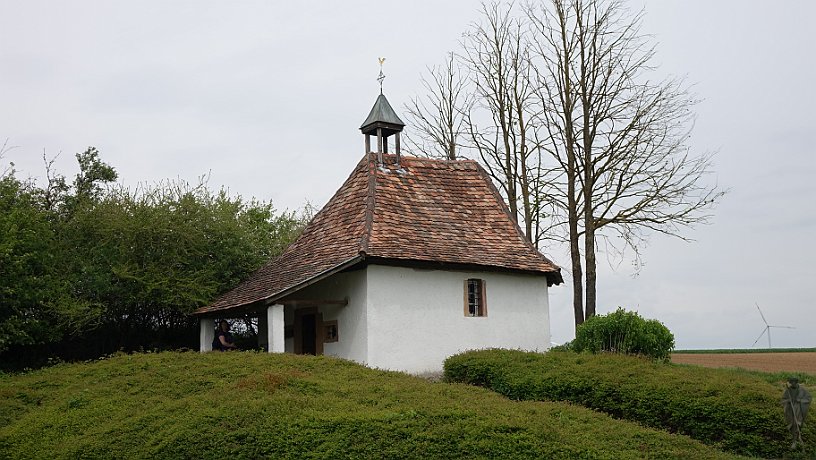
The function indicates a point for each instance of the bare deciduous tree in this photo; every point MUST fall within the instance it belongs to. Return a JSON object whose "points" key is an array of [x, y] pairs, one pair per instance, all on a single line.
{"points": [[481, 105], [493, 57], [439, 116], [582, 143], [625, 137], [55, 187]]}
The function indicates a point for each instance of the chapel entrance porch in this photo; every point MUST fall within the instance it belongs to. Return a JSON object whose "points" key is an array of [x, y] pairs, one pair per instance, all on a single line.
{"points": [[293, 325]]}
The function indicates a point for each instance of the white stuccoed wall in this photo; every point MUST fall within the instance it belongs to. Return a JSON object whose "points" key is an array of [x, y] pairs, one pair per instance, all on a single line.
{"points": [[416, 317], [411, 320]]}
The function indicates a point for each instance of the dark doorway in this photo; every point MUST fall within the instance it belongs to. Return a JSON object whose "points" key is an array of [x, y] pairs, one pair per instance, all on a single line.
{"points": [[309, 335], [308, 325]]}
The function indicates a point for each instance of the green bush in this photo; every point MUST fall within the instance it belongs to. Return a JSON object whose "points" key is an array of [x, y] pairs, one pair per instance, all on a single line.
{"points": [[257, 405], [731, 410], [624, 332], [90, 267], [566, 346]]}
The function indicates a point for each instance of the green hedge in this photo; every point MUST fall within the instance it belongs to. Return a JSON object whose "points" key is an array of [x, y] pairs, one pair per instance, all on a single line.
{"points": [[733, 411], [248, 405], [624, 332]]}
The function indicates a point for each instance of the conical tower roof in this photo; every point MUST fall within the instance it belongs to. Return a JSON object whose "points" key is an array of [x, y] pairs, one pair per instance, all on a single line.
{"points": [[382, 115], [428, 213]]}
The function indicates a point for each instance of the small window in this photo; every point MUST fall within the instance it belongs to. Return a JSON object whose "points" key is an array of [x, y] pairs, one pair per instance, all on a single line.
{"points": [[330, 331], [475, 301]]}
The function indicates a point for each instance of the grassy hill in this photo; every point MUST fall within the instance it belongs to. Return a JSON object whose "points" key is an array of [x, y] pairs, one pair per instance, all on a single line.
{"points": [[250, 405]]}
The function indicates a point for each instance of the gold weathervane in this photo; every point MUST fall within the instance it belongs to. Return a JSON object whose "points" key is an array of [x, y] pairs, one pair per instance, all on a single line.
{"points": [[381, 77]]}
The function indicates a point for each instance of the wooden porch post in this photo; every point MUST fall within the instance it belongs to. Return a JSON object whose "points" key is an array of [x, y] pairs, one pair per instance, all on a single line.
{"points": [[379, 146], [206, 335], [275, 328]]}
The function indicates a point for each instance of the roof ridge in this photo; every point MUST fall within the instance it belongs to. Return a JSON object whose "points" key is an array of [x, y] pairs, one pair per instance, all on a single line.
{"points": [[371, 202], [323, 209], [409, 157]]}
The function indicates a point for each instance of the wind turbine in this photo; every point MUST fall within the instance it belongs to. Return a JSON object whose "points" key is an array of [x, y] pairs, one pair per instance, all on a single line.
{"points": [[767, 328]]}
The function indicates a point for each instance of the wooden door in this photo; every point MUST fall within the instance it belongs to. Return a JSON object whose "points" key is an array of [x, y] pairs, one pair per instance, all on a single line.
{"points": [[308, 332]]}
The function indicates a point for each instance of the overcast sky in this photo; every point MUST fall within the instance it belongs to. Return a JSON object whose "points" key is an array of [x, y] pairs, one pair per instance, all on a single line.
{"points": [[267, 97]]}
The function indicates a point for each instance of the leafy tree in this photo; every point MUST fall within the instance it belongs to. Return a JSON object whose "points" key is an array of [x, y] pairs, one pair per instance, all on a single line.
{"points": [[97, 267], [35, 304], [26, 243], [92, 173], [146, 259]]}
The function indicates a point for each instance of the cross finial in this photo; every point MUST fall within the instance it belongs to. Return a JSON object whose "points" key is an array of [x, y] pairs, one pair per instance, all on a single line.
{"points": [[381, 77]]}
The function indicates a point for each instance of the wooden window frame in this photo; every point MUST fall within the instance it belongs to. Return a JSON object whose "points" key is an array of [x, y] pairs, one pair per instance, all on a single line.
{"points": [[481, 304], [326, 326]]}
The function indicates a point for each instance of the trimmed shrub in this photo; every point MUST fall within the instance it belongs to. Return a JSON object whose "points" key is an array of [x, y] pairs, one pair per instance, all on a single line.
{"points": [[566, 346], [624, 332], [728, 409], [283, 406]]}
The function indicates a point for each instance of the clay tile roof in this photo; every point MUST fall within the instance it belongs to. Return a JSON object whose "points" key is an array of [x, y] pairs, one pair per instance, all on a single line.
{"points": [[422, 211]]}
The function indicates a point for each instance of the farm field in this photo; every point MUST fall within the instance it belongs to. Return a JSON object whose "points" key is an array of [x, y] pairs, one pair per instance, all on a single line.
{"points": [[765, 362]]}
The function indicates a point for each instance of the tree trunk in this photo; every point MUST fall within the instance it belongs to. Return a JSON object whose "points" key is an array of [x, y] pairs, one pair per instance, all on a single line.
{"points": [[587, 38], [572, 174], [589, 255], [575, 253], [510, 174], [524, 176]]}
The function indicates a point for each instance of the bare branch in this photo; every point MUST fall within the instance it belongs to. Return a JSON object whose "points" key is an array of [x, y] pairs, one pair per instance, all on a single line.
{"points": [[559, 103], [438, 118], [9, 169], [619, 137]]}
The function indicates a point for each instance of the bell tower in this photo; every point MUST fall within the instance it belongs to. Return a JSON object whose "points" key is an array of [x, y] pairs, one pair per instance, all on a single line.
{"points": [[382, 122]]}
